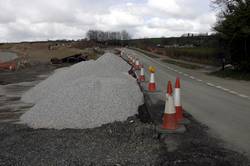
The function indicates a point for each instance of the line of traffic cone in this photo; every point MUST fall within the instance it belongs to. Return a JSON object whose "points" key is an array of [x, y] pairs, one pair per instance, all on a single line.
{"points": [[170, 124], [173, 119]]}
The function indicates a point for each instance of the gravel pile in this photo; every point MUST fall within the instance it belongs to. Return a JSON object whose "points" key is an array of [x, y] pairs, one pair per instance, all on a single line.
{"points": [[108, 65], [85, 95]]}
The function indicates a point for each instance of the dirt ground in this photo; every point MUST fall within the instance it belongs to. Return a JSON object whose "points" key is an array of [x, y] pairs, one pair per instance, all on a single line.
{"points": [[120, 143], [40, 52]]}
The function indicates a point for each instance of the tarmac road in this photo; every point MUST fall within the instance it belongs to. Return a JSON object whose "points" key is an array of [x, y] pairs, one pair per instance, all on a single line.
{"points": [[225, 111]]}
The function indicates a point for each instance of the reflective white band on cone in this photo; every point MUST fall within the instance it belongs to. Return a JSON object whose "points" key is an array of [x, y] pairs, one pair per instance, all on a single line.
{"points": [[169, 107], [142, 71], [152, 78], [137, 63], [177, 97]]}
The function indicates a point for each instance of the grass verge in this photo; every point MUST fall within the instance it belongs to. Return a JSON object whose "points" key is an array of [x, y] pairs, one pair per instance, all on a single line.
{"points": [[184, 65], [233, 74], [145, 52]]}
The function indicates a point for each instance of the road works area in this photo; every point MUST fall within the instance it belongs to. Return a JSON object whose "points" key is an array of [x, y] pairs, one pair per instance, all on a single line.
{"points": [[134, 141]]}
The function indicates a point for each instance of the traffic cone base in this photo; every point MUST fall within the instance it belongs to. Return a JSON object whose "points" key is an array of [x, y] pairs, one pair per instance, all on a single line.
{"points": [[179, 130], [184, 121]]}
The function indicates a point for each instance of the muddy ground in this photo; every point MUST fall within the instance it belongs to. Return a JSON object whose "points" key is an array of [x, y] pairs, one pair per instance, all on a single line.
{"points": [[120, 143]]}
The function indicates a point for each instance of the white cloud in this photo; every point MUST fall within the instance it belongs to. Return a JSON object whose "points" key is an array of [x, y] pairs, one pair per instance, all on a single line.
{"points": [[52, 19], [120, 18], [170, 24], [168, 6]]}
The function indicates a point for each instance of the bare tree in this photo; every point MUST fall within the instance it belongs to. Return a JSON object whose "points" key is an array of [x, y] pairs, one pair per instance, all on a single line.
{"points": [[98, 35], [125, 35]]}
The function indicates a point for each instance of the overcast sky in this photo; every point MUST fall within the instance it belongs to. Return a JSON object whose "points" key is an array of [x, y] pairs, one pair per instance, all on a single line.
{"points": [[25, 20]]}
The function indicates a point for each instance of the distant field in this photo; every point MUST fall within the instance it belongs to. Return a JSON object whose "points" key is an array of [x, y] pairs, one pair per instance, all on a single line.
{"points": [[201, 55], [232, 74], [197, 54], [198, 50], [181, 64], [40, 52], [145, 52]]}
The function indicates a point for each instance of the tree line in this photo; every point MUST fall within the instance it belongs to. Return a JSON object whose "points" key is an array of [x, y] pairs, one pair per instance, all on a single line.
{"points": [[100, 36], [233, 29]]}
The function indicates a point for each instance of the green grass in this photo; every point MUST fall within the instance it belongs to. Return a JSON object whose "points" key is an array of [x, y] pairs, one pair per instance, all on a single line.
{"points": [[233, 74], [198, 50], [145, 52], [184, 65], [201, 55]]}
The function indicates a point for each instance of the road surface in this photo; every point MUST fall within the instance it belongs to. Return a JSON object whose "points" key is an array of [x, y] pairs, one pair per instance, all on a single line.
{"points": [[225, 111]]}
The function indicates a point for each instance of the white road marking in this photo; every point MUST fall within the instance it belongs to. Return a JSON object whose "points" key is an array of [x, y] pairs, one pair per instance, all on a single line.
{"points": [[210, 84], [244, 96], [186, 74], [233, 92], [225, 89], [219, 87], [192, 77]]}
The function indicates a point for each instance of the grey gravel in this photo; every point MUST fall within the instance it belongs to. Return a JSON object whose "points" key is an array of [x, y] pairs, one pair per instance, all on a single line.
{"points": [[118, 143]]}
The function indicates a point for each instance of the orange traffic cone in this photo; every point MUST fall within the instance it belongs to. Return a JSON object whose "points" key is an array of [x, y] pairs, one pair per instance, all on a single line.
{"points": [[170, 124], [137, 64], [169, 117], [177, 100], [133, 61], [130, 60], [142, 76], [152, 84], [178, 105]]}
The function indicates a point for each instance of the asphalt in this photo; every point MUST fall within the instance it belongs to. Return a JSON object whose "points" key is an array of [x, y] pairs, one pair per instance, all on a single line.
{"points": [[223, 110]]}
